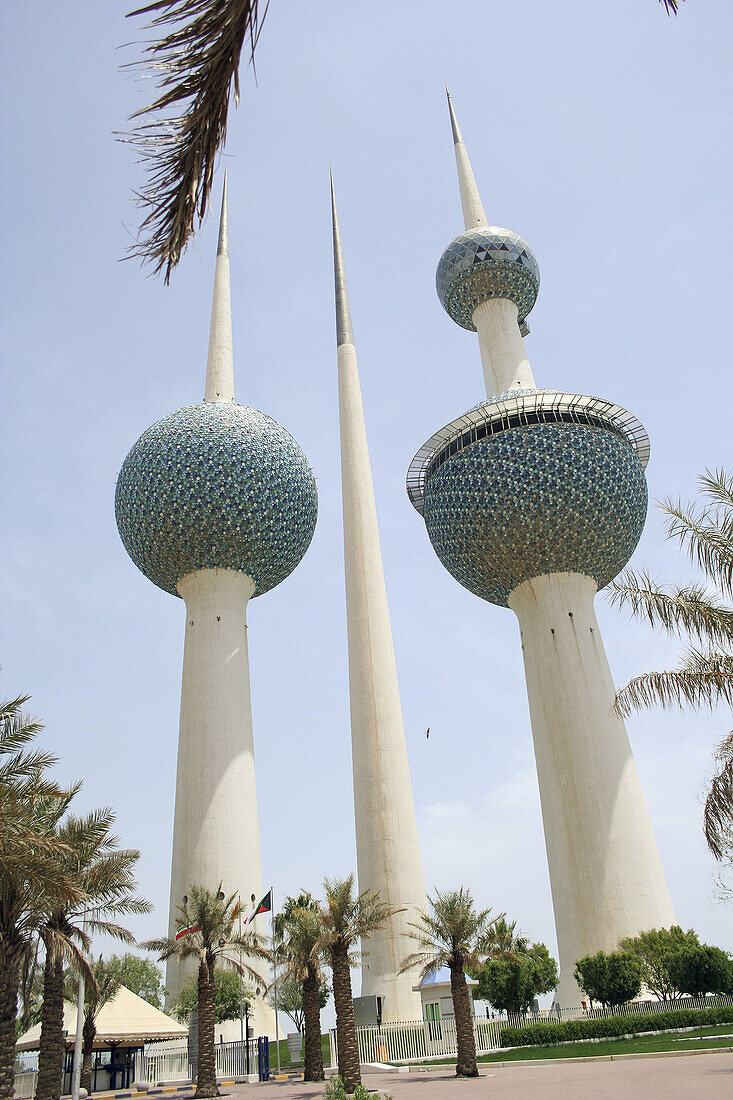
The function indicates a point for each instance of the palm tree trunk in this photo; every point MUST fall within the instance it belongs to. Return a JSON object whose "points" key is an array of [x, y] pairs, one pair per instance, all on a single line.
{"points": [[464, 1023], [10, 958], [206, 1076], [51, 1052], [90, 1031], [348, 1048], [313, 1070]]}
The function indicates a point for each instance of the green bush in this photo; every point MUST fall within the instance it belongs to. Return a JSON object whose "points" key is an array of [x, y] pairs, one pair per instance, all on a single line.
{"points": [[547, 1034], [336, 1090]]}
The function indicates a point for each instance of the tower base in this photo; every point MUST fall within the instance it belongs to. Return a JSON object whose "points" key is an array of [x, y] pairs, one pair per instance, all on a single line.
{"points": [[605, 872]]}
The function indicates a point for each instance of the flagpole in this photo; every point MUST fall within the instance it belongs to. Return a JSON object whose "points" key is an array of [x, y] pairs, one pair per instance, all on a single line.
{"points": [[274, 975]]}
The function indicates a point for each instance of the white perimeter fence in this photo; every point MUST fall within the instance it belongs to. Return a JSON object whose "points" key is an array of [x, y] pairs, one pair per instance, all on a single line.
{"points": [[158, 1064], [168, 1061], [165, 1062], [421, 1039]]}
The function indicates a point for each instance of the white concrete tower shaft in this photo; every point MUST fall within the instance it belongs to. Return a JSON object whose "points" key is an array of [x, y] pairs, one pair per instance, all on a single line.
{"points": [[503, 355], [606, 875], [388, 850], [215, 831], [605, 872]]}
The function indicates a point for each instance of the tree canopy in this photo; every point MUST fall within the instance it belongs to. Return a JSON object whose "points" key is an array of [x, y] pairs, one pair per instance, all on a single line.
{"points": [[656, 950], [611, 979], [290, 998], [226, 998], [702, 969], [512, 982], [139, 975]]}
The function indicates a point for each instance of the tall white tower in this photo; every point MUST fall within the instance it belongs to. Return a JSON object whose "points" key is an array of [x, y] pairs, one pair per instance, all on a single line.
{"points": [[387, 846], [534, 500], [217, 504]]}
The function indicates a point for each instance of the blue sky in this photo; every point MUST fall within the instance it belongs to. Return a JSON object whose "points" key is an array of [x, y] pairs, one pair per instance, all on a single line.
{"points": [[600, 132]]}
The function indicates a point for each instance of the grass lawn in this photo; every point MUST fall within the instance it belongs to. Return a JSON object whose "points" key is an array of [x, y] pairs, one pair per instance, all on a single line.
{"points": [[701, 1038], [291, 1067]]}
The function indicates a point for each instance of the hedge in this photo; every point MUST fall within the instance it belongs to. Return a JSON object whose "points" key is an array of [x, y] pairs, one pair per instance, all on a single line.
{"points": [[547, 1034]]}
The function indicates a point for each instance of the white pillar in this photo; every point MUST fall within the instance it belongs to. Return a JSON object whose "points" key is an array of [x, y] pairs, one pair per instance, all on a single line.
{"points": [[215, 831], [606, 876], [388, 850], [503, 355]]}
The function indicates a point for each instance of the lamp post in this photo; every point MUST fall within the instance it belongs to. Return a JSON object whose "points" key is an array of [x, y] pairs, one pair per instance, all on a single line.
{"points": [[246, 1020], [241, 1021], [76, 1066]]}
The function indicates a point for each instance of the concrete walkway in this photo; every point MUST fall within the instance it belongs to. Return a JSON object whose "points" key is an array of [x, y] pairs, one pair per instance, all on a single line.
{"points": [[694, 1077]]}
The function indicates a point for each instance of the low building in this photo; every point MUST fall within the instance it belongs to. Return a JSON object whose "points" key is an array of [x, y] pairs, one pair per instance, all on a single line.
{"points": [[124, 1025], [436, 998]]}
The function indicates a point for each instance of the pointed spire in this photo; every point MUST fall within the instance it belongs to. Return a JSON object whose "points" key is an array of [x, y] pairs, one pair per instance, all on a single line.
{"points": [[220, 364], [473, 211], [457, 138], [344, 331]]}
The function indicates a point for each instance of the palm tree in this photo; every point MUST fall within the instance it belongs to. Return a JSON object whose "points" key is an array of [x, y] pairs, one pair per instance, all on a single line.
{"points": [[346, 917], [195, 63], [104, 874], [298, 932], [33, 874], [457, 936], [97, 994], [704, 617], [207, 935], [505, 940]]}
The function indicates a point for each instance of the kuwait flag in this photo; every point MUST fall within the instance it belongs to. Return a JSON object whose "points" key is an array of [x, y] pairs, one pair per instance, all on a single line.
{"points": [[185, 931], [265, 906]]}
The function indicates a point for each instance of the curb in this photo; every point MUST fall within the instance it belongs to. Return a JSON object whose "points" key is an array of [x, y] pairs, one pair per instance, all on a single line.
{"points": [[587, 1058]]}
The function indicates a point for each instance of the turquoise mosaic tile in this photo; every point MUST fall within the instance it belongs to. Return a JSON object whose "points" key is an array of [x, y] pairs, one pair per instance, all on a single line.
{"points": [[216, 485], [548, 498]]}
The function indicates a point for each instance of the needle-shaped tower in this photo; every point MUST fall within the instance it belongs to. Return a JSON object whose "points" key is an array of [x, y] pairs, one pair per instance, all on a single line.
{"points": [[216, 503], [534, 500], [387, 846]]}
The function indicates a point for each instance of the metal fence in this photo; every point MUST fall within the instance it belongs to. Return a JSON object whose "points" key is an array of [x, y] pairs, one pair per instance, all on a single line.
{"points": [[419, 1039], [415, 1040], [163, 1062], [25, 1084], [633, 1008]]}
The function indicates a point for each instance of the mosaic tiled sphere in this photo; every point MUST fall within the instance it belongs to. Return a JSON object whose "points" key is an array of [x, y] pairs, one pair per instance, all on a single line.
{"points": [[549, 498], [482, 263], [216, 485]]}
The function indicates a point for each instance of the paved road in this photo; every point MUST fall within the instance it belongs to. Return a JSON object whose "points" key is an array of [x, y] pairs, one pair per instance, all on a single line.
{"points": [[690, 1078]]}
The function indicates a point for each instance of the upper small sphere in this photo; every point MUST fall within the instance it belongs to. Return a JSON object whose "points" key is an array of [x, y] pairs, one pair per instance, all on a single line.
{"points": [[216, 485], [528, 501], [482, 263]]}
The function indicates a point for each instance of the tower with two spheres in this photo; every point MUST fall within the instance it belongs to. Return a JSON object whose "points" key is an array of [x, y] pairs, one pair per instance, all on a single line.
{"points": [[535, 499], [216, 504]]}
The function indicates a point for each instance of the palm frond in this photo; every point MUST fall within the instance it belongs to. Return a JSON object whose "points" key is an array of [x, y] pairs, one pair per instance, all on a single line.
{"points": [[705, 679], [427, 960], [671, 6], [718, 815], [704, 538], [196, 64], [718, 486], [679, 609]]}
